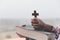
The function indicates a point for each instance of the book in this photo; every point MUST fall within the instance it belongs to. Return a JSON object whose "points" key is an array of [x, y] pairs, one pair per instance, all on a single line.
{"points": [[31, 33]]}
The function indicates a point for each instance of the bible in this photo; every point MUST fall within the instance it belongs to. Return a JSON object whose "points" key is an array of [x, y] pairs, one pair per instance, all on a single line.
{"points": [[28, 31]]}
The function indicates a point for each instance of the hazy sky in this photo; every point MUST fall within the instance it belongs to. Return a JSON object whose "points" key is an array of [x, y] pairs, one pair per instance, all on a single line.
{"points": [[24, 8]]}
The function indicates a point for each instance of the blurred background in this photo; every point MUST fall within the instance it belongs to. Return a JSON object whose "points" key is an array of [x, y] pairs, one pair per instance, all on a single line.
{"points": [[18, 12]]}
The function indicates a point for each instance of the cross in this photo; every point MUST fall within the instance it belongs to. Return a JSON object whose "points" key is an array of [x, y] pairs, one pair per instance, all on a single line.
{"points": [[35, 14]]}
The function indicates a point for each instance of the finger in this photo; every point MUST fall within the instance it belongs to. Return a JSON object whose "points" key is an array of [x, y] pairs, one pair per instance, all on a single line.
{"points": [[35, 25], [34, 22], [35, 19]]}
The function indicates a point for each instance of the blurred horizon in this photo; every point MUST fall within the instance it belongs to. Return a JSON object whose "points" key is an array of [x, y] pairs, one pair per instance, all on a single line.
{"points": [[10, 24]]}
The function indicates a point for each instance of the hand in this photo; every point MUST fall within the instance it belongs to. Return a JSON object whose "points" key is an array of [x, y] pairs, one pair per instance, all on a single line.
{"points": [[37, 23]]}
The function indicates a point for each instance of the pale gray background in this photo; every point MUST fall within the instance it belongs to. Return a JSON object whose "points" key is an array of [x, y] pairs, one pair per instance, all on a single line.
{"points": [[16, 9]]}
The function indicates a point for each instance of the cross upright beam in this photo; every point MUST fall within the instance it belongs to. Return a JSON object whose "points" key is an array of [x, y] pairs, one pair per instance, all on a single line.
{"points": [[35, 14]]}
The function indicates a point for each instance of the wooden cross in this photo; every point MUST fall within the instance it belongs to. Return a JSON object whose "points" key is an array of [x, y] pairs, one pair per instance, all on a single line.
{"points": [[35, 14]]}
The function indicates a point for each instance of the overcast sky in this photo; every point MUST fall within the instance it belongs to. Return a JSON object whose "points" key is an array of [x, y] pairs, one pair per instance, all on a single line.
{"points": [[24, 8]]}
